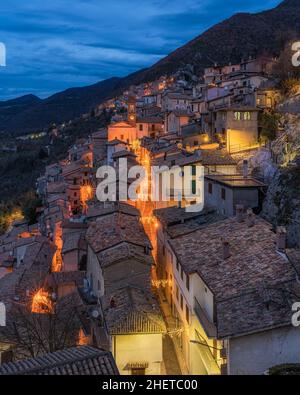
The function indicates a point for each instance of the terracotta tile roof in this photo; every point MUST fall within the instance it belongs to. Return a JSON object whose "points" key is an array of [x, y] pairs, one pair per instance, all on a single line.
{"points": [[133, 311], [177, 221], [215, 157], [253, 260], [115, 229], [254, 287], [84, 360], [123, 154], [75, 277], [123, 252], [30, 275], [100, 209], [258, 310], [241, 282], [176, 159]]}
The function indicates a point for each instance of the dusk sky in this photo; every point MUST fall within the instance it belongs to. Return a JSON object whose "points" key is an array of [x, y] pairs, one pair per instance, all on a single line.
{"points": [[57, 44]]}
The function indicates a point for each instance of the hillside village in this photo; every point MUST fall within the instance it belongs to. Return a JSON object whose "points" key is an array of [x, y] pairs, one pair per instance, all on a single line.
{"points": [[141, 288]]}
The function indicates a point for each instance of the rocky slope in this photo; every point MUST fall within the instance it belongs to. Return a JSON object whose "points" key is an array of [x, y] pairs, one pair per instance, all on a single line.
{"points": [[282, 203]]}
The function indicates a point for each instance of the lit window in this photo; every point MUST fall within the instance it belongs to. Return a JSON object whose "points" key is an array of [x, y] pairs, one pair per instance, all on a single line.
{"points": [[247, 116], [237, 116]]}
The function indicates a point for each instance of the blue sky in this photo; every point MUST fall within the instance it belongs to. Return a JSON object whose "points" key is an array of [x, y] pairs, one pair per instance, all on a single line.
{"points": [[57, 44]]}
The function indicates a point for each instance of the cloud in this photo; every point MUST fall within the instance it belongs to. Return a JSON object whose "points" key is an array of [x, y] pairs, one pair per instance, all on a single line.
{"points": [[64, 43]]}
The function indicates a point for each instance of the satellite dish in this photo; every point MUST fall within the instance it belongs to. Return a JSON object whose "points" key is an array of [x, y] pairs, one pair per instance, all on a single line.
{"points": [[95, 314]]}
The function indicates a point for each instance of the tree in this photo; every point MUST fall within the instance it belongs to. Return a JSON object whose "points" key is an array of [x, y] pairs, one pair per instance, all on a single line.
{"points": [[34, 334], [268, 122]]}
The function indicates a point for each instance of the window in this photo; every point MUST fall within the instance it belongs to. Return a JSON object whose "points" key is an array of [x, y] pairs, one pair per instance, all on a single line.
{"points": [[177, 266], [187, 283], [164, 251], [237, 116], [247, 116], [177, 293], [187, 314], [122, 137], [75, 194], [153, 128], [181, 302], [223, 194], [181, 273], [173, 162], [141, 127], [210, 188], [194, 168], [195, 143], [75, 202]]}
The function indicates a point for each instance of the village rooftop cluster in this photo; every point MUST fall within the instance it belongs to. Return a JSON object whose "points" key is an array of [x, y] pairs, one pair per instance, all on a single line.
{"points": [[147, 287]]}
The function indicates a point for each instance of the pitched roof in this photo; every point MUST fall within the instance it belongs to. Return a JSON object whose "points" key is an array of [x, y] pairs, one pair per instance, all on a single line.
{"points": [[84, 360], [215, 157], [75, 277], [253, 259], [102, 208], [178, 221], [114, 229], [133, 311], [254, 287], [123, 153]]}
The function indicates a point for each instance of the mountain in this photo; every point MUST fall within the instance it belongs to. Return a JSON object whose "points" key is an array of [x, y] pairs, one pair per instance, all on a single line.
{"points": [[240, 36]]}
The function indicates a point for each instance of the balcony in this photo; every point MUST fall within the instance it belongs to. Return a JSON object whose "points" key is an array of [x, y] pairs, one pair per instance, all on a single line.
{"points": [[208, 326]]}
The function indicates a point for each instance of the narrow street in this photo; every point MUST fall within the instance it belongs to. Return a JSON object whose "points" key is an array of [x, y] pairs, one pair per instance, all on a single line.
{"points": [[171, 363], [170, 358]]}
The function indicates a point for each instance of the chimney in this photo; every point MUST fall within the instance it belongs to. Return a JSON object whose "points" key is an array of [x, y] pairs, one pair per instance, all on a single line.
{"points": [[239, 212], [245, 169], [225, 249], [113, 303], [281, 239], [250, 218]]}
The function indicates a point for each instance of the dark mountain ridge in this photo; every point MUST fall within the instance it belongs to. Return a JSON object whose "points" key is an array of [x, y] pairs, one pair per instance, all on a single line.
{"points": [[238, 37]]}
